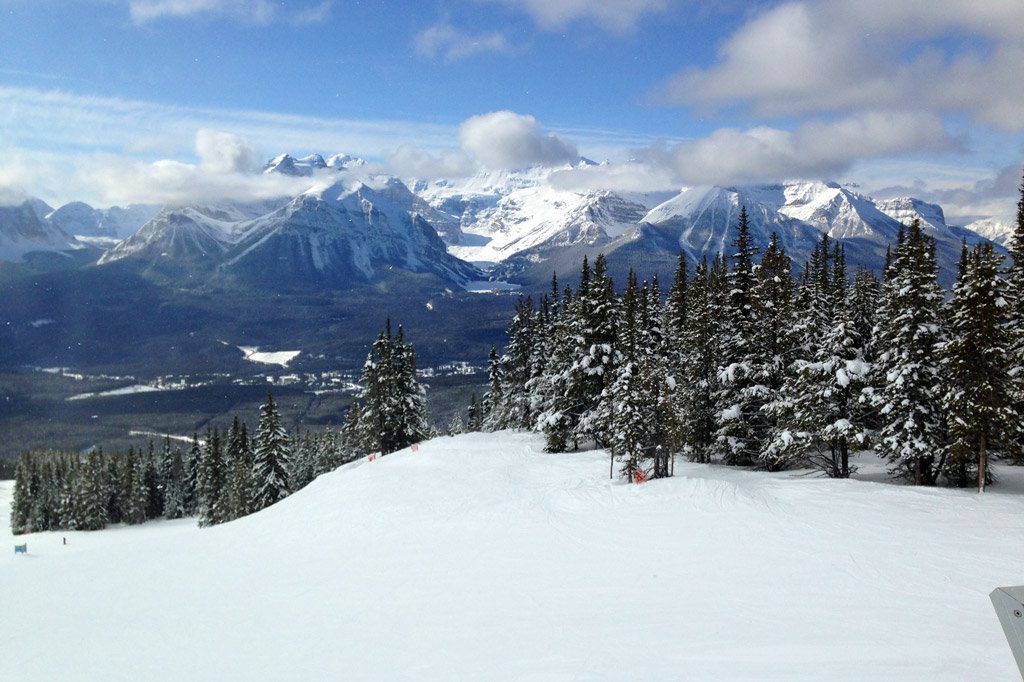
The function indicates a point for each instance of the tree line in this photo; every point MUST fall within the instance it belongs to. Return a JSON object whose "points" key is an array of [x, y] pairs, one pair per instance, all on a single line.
{"points": [[229, 473], [745, 364]]}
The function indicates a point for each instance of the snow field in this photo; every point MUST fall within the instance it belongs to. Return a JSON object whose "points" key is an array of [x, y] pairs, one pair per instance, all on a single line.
{"points": [[480, 557]]}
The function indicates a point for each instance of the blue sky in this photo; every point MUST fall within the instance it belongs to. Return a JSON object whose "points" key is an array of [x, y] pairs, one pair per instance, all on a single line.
{"points": [[104, 100]]}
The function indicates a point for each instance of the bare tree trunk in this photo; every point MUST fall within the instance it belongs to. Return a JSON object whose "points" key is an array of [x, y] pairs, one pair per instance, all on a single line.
{"points": [[611, 464], [981, 464]]}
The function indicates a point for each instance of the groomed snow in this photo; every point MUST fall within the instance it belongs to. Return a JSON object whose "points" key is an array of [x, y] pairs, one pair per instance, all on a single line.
{"points": [[482, 558]]}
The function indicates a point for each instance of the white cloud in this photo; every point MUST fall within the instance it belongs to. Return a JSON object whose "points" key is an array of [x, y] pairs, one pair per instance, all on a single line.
{"points": [[119, 180], [633, 176], [250, 11], [617, 16], [446, 41], [505, 139], [256, 11], [314, 14], [808, 57], [813, 150], [410, 162], [226, 153]]}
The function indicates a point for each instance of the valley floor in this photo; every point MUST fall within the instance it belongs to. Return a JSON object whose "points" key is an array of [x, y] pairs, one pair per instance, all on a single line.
{"points": [[482, 558]]}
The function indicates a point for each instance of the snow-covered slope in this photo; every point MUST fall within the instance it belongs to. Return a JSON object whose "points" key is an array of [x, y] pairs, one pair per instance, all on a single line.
{"points": [[481, 557]]}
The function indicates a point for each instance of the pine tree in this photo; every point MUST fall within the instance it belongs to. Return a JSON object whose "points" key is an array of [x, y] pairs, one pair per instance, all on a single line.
{"points": [[513, 410], [455, 426], [393, 403], [26, 487], [191, 476], [700, 357], [907, 379], [1015, 329], [492, 398], [775, 344], [210, 485], [977, 363], [136, 494], [173, 475], [821, 416], [271, 458], [474, 416]]}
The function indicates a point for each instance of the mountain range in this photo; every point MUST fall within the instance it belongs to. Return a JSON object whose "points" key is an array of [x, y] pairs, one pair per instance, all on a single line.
{"points": [[352, 224]]}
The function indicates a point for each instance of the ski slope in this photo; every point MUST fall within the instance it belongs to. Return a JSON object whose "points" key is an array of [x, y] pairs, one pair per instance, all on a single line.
{"points": [[482, 558]]}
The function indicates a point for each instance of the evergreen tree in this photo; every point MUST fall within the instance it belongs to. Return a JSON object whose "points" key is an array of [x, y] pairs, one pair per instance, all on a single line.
{"points": [[455, 426], [907, 379], [700, 356], [271, 458], [173, 476], [190, 481], [303, 461], [211, 477], [492, 398], [393, 413], [977, 362], [474, 415], [821, 415], [775, 344], [137, 493], [1014, 442]]}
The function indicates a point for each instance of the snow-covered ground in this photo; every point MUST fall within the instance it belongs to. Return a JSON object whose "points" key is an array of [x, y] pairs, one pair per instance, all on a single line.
{"points": [[482, 558]]}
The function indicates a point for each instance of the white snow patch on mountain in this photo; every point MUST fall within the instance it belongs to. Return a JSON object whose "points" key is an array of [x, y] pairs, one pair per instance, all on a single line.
{"points": [[281, 357], [481, 557]]}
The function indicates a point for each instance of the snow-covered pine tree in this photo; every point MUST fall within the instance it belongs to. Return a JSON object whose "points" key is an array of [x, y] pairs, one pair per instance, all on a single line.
{"points": [[513, 409], [1015, 328], [455, 426], [303, 469], [210, 487], [173, 476], [741, 423], [474, 414], [329, 453], [907, 377], [237, 497], [700, 357], [393, 412], [977, 363], [492, 398], [191, 478], [137, 494], [822, 416], [643, 424], [596, 314], [776, 343], [271, 458], [93, 493]]}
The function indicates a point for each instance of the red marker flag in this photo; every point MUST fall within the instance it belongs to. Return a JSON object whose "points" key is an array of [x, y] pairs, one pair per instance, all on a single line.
{"points": [[640, 476]]}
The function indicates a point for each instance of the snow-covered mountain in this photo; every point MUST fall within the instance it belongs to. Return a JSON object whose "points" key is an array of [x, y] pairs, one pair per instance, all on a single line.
{"points": [[82, 220], [997, 230], [529, 228], [352, 221], [343, 230], [24, 229]]}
